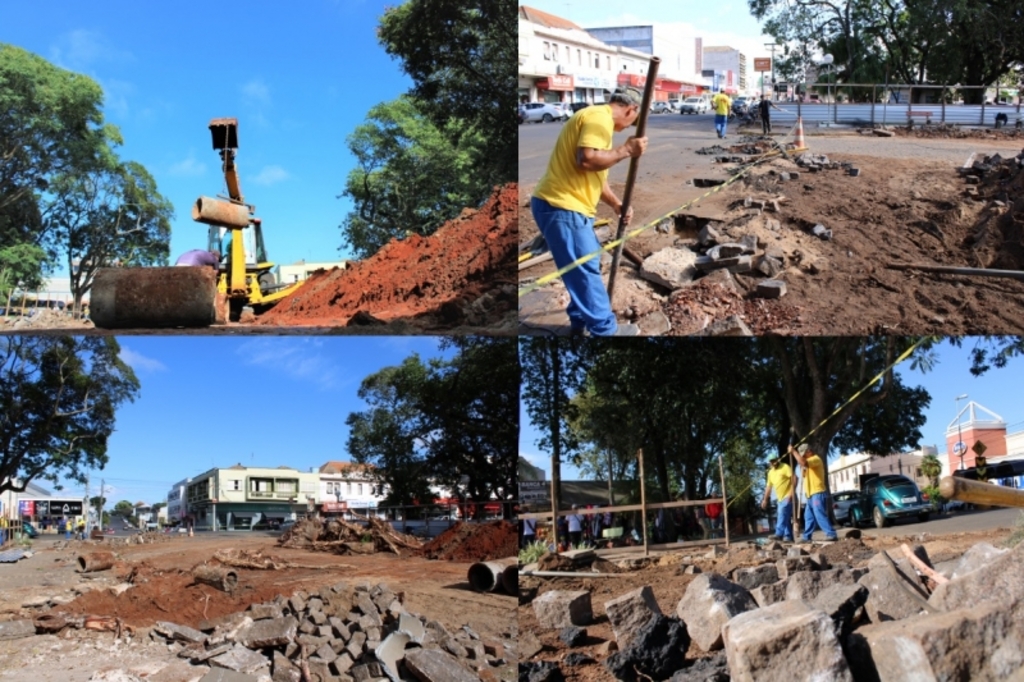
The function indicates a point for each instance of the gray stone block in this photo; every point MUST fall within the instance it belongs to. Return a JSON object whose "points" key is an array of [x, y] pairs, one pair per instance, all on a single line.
{"points": [[769, 267], [977, 643], [180, 633], [792, 565], [16, 629], [730, 326], [223, 675], [766, 595], [557, 609], [708, 235], [756, 576], [771, 288], [285, 670], [785, 641], [892, 595], [671, 268], [807, 585], [264, 611], [342, 664], [326, 653], [267, 633], [841, 603], [240, 659], [978, 556], [708, 603], [432, 665], [629, 612], [1001, 578]]}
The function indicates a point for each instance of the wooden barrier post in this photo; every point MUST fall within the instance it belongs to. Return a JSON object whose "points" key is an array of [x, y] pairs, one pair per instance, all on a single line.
{"points": [[643, 499]]}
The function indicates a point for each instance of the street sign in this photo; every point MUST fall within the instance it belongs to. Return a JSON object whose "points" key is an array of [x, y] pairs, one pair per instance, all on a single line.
{"points": [[534, 485], [979, 448], [959, 448], [762, 64]]}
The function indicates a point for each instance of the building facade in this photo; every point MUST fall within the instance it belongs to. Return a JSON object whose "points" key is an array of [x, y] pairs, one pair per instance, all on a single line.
{"points": [[243, 498], [845, 472], [681, 56], [349, 487], [723, 59], [176, 508], [301, 271]]}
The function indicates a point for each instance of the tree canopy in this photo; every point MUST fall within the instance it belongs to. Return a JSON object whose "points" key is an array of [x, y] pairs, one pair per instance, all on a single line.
{"points": [[451, 423], [59, 397]]}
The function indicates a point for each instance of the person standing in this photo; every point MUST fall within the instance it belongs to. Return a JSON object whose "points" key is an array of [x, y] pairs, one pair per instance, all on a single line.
{"points": [[782, 481], [714, 513], [816, 511], [764, 106], [575, 527], [529, 530], [565, 202], [721, 104]]}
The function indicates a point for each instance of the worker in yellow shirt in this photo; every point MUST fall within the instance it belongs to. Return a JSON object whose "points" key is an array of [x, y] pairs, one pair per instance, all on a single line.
{"points": [[565, 200], [721, 104], [783, 482], [816, 512]]}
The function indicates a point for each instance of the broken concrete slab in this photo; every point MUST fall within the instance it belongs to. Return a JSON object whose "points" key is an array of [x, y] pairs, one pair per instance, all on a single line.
{"points": [[756, 576], [223, 675], [709, 601], [179, 671], [16, 629], [671, 268], [812, 651], [977, 643], [657, 651], [1000, 579], [268, 633], [560, 608], [390, 653], [630, 612], [432, 665], [654, 324], [730, 326], [240, 659], [412, 626], [181, 633], [264, 611]]}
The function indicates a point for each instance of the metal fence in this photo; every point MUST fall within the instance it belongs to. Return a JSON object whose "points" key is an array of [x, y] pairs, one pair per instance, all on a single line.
{"points": [[877, 104]]}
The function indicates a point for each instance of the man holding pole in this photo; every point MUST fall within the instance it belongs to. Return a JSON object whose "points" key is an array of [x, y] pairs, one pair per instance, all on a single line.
{"points": [[782, 481], [814, 491], [565, 202]]}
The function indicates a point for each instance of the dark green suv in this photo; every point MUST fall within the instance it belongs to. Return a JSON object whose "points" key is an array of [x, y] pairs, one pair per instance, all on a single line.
{"points": [[885, 499]]}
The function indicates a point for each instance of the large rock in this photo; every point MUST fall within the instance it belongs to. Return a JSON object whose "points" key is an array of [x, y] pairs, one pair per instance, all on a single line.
{"points": [[841, 603], [794, 564], [268, 633], [558, 609], [657, 651], [672, 268], [713, 669], [1001, 579], [16, 629], [432, 665], [630, 612], [181, 633], [893, 595], [807, 585], [982, 643], [708, 603], [766, 595], [978, 556], [755, 576], [785, 641], [240, 660]]}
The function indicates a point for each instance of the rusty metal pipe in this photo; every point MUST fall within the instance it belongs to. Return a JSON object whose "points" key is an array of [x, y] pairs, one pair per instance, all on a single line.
{"points": [[485, 576], [219, 212], [142, 298], [96, 561]]}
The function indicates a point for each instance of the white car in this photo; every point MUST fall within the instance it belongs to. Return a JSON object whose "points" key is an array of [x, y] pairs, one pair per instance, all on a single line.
{"points": [[661, 108], [695, 105], [543, 111]]}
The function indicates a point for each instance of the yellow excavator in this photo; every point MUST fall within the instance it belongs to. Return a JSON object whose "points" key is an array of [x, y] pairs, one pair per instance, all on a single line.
{"points": [[242, 284]]}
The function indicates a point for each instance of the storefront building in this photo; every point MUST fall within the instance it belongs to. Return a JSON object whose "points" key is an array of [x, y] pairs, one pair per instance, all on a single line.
{"points": [[247, 498]]}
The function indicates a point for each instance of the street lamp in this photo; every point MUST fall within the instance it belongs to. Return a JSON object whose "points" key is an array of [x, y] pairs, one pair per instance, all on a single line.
{"points": [[959, 448], [827, 61]]}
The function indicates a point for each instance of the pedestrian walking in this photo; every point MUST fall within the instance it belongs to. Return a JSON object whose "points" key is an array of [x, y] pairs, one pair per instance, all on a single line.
{"points": [[575, 521], [721, 104], [782, 481], [816, 511], [764, 106], [565, 201]]}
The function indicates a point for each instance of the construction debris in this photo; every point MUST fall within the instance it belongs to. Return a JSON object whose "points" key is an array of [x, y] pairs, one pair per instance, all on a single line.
{"points": [[344, 537], [474, 542]]}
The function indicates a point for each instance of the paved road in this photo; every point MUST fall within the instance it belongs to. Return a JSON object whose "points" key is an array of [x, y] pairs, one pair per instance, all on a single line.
{"points": [[960, 522], [673, 139]]}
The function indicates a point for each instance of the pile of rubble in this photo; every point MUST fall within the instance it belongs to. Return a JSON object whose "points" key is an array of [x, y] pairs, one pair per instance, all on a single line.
{"points": [[794, 615], [474, 542], [342, 537]]}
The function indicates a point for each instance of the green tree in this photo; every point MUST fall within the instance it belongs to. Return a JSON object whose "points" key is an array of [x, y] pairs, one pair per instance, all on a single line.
{"points": [[21, 267], [105, 217], [59, 397], [410, 176], [124, 509], [97, 502], [461, 56]]}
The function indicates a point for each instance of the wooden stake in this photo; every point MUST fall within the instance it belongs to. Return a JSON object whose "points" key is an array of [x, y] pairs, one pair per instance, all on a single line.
{"points": [[643, 499], [725, 499]]}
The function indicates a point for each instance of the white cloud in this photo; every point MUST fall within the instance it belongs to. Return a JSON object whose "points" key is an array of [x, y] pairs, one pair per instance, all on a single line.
{"points": [[138, 361], [256, 91], [81, 48], [300, 359], [271, 175], [189, 166]]}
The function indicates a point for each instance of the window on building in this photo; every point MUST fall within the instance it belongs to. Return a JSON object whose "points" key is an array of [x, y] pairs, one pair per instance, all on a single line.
{"points": [[579, 57], [547, 50], [609, 67], [554, 51], [918, 474], [360, 488], [349, 484], [597, 61], [288, 486], [568, 55], [236, 485]]}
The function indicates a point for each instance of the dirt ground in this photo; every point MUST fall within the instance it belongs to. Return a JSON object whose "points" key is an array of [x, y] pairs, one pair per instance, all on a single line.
{"points": [[897, 211], [663, 573], [162, 589]]}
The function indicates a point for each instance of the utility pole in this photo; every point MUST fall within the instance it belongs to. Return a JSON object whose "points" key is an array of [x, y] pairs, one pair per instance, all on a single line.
{"points": [[85, 504], [102, 503]]}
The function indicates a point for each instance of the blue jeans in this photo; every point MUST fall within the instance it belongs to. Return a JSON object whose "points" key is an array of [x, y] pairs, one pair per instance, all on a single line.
{"points": [[816, 515], [721, 123], [784, 524], [570, 235]]}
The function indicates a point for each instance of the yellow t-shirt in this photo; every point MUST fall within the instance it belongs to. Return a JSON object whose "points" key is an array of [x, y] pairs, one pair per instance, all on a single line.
{"points": [[721, 103], [814, 476], [565, 185], [781, 480]]}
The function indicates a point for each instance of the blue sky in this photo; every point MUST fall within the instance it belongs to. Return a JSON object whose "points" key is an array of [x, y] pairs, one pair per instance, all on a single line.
{"points": [[299, 76], [258, 401], [998, 390]]}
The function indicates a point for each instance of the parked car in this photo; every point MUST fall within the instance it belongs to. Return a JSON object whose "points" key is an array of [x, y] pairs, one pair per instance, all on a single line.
{"points": [[286, 525], [29, 530], [841, 503], [885, 499], [543, 111], [695, 105], [661, 108], [520, 115], [741, 104]]}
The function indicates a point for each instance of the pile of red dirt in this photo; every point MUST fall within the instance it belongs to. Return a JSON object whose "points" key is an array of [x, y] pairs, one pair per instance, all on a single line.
{"points": [[462, 274], [474, 542]]}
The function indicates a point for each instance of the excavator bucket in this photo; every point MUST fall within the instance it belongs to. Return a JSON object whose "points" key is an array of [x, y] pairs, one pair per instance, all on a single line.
{"points": [[140, 298], [225, 133]]}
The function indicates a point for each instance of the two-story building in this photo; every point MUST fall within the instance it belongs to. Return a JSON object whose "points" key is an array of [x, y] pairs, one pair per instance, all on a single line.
{"points": [[349, 487], [176, 508], [243, 498]]}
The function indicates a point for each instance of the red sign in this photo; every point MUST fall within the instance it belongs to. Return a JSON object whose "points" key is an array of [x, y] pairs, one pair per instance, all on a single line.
{"points": [[665, 85], [762, 64], [563, 83], [335, 506]]}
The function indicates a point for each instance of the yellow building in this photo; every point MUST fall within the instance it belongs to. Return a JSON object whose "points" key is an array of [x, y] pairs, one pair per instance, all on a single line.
{"points": [[246, 498]]}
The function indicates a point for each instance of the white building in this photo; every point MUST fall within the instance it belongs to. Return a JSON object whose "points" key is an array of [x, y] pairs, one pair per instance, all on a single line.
{"points": [[176, 508], [301, 270], [679, 73], [845, 472], [723, 60], [349, 486]]}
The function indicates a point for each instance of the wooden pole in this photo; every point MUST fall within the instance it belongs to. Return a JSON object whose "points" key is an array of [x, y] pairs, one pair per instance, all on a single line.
{"points": [[634, 162], [643, 499], [969, 272], [725, 499], [976, 492]]}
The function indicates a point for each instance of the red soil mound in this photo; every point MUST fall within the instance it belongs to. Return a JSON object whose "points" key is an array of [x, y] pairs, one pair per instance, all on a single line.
{"points": [[474, 542], [465, 259]]}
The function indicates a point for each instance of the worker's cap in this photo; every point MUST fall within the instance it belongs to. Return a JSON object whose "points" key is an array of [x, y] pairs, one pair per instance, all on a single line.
{"points": [[803, 449], [627, 95], [775, 460]]}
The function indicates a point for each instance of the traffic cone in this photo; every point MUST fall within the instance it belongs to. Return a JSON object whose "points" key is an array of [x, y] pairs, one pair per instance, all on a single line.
{"points": [[798, 141]]}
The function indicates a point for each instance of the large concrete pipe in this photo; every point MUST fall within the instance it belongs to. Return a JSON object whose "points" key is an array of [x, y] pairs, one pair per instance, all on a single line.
{"points": [[143, 298], [96, 561], [485, 576], [219, 212], [222, 578], [510, 579]]}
